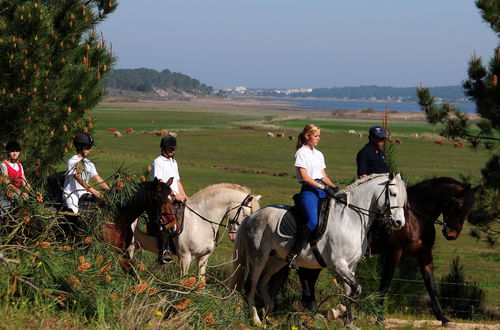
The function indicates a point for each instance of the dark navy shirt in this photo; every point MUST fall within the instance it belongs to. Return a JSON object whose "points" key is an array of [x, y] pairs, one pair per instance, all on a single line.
{"points": [[371, 160]]}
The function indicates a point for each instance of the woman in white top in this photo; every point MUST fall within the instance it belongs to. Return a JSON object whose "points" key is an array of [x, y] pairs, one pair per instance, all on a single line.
{"points": [[311, 174]]}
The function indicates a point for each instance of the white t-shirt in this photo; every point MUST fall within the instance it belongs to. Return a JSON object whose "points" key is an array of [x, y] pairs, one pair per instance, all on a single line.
{"points": [[165, 168], [72, 190], [3, 167], [312, 160]]}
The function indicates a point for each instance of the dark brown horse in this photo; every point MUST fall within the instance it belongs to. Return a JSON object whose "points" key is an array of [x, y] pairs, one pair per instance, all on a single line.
{"points": [[153, 197], [426, 201]]}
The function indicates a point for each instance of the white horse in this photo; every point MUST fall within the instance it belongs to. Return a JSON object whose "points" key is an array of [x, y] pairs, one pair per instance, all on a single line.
{"points": [[260, 252], [205, 211]]}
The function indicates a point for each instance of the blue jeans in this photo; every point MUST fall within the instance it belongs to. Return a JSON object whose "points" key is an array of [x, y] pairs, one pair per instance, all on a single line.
{"points": [[309, 197]]}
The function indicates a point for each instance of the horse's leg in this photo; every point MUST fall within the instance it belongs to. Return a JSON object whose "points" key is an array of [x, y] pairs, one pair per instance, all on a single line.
{"points": [[308, 278], [391, 262], [425, 263], [254, 271], [184, 262], [353, 288], [273, 265], [202, 267]]}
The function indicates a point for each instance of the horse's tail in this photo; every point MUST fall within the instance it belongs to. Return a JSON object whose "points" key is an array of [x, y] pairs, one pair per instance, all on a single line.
{"points": [[240, 260]]}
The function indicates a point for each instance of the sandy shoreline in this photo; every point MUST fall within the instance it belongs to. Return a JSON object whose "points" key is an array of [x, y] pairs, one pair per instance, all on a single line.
{"points": [[257, 107]]}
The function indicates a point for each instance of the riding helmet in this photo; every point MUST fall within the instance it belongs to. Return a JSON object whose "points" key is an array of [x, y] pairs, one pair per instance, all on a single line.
{"points": [[168, 142], [83, 140], [12, 146]]}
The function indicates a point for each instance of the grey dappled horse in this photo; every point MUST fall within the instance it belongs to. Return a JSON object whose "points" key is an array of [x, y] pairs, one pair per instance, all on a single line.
{"points": [[260, 252]]}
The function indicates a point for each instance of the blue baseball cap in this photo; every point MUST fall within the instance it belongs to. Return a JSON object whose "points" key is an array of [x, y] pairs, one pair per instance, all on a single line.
{"points": [[377, 131]]}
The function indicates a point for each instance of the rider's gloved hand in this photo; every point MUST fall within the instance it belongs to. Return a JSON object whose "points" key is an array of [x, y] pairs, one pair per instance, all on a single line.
{"points": [[331, 191]]}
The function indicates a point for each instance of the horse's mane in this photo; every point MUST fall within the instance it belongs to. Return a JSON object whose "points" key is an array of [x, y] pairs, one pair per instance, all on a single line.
{"points": [[355, 185], [427, 184], [216, 188]]}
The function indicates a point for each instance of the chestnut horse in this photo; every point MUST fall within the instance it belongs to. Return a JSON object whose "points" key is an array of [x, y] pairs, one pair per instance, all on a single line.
{"points": [[153, 197], [426, 201]]}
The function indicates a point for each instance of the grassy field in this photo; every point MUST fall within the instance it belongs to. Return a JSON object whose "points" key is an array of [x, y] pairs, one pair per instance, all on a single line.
{"points": [[231, 145], [220, 147]]}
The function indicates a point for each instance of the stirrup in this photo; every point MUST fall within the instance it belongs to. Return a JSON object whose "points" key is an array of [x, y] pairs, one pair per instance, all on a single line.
{"points": [[293, 262], [165, 257]]}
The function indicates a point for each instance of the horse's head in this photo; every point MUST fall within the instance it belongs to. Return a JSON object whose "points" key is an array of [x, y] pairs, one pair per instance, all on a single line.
{"points": [[162, 200], [248, 206], [392, 201], [455, 210]]}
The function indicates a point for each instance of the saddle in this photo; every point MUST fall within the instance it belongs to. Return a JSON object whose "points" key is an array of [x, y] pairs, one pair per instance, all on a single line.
{"points": [[292, 220]]}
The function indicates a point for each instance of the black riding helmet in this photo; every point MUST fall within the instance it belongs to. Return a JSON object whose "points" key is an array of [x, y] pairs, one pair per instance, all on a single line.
{"points": [[168, 141], [82, 140], [12, 146]]}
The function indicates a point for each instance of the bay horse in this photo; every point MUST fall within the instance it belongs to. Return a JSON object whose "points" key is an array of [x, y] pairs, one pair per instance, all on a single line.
{"points": [[427, 200], [260, 251], [153, 197], [204, 213]]}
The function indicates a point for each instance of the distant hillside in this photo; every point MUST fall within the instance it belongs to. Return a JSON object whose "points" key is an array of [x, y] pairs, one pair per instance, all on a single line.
{"points": [[448, 93], [165, 83]]}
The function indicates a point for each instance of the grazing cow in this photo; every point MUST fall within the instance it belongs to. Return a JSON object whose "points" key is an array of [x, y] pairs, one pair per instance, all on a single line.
{"points": [[269, 134], [117, 134], [291, 137], [162, 132], [439, 142], [458, 144], [280, 135], [129, 130], [414, 135], [112, 130], [352, 132], [360, 134]]}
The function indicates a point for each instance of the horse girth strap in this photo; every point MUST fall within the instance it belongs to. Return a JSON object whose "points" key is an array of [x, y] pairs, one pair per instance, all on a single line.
{"points": [[318, 255]]}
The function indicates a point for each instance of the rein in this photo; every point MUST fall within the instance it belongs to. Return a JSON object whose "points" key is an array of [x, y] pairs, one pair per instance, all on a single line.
{"points": [[435, 221], [234, 220], [386, 214]]}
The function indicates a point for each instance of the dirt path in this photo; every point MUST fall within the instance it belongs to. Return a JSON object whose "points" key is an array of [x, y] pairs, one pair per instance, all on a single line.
{"points": [[434, 324]]}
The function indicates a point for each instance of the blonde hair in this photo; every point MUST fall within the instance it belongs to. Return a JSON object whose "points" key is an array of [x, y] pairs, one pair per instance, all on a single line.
{"points": [[308, 130]]}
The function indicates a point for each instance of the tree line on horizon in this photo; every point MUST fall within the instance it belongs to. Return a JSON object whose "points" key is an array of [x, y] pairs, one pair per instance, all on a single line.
{"points": [[148, 80]]}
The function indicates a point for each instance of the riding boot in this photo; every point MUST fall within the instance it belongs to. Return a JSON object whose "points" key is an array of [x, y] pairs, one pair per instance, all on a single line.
{"points": [[164, 253], [300, 242]]}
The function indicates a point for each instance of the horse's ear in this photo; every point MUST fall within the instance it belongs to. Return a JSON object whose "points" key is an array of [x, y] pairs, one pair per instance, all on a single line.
{"points": [[391, 176], [252, 197], [169, 182], [398, 176], [155, 182]]}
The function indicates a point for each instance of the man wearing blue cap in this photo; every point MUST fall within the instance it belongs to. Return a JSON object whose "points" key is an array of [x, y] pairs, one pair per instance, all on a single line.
{"points": [[371, 159]]}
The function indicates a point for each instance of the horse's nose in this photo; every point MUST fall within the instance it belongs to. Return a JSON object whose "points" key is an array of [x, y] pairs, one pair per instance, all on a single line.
{"points": [[398, 223]]}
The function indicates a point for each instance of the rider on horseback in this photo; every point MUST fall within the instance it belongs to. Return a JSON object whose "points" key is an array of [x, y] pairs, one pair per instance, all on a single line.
{"points": [[311, 174], [79, 171], [13, 171], [165, 167]]}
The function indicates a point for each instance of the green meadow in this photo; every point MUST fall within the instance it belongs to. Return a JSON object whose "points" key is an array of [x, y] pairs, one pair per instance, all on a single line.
{"points": [[224, 146]]}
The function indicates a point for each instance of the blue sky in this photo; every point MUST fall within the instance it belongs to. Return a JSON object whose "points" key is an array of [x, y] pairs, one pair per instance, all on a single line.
{"points": [[291, 43]]}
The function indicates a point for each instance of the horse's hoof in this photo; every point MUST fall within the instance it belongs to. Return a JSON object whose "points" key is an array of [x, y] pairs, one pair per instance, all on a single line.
{"points": [[448, 324], [256, 321]]}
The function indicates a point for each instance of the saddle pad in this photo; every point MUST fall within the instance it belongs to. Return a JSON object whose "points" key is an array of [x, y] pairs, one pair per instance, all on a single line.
{"points": [[287, 225]]}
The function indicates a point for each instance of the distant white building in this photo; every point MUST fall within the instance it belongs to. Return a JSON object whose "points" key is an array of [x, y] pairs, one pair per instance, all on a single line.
{"points": [[240, 89]]}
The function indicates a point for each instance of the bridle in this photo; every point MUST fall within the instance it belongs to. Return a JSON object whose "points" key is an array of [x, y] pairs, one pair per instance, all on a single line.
{"points": [[232, 221], [384, 216]]}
